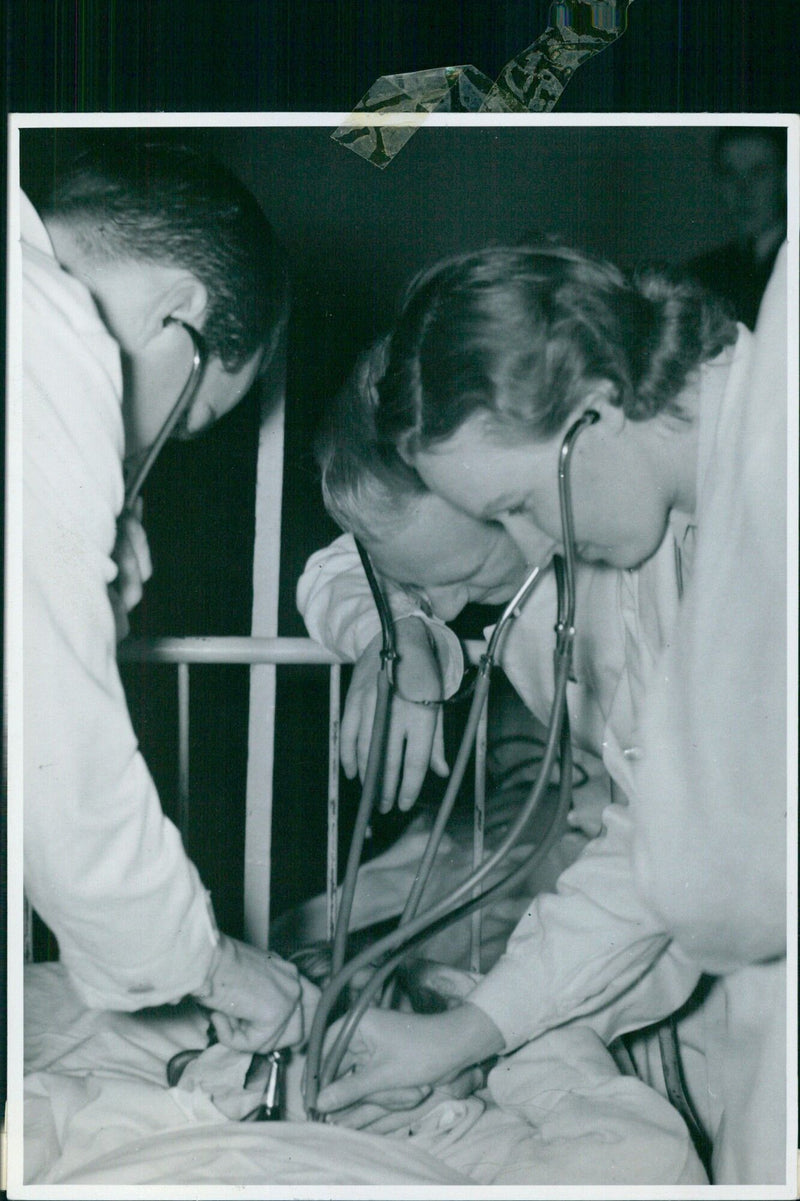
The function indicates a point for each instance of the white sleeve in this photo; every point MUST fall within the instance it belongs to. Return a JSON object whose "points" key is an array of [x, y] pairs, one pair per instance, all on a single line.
{"points": [[598, 653], [335, 602], [103, 866], [590, 951], [711, 796]]}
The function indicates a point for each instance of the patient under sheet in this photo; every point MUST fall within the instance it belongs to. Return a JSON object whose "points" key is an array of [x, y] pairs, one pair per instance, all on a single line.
{"points": [[98, 1110]]}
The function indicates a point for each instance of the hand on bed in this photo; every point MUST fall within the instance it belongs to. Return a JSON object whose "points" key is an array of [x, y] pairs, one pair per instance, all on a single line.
{"points": [[415, 740], [258, 1002], [393, 1053], [389, 1112]]}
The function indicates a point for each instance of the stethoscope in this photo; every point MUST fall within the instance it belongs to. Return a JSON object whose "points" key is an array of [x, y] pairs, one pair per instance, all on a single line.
{"points": [[265, 1070], [179, 410], [415, 928]]}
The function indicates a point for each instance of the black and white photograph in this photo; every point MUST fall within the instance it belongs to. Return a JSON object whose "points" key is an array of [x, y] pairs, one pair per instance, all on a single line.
{"points": [[401, 546], [461, 862]]}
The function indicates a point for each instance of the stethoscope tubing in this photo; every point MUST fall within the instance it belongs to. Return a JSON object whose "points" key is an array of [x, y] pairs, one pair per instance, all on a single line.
{"points": [[465, 749], [369, 791], [372, 774], [187, 396], [445, 908], [413, 929], [498, 890]]}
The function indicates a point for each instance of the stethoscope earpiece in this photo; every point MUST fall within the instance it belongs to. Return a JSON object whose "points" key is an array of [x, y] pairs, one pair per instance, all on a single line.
{"points": [[179, 409]]}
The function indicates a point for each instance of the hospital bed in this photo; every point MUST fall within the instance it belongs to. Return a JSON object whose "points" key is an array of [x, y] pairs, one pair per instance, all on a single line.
{"points": [[98, 1108]]}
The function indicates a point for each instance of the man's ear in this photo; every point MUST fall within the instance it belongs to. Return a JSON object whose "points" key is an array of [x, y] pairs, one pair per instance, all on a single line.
{"points": [[183, 299]]}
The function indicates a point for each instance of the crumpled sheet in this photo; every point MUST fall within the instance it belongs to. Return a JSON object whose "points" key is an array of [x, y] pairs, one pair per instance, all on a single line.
{"points": [[559, 1113], [384, 882], [97, 1110]]}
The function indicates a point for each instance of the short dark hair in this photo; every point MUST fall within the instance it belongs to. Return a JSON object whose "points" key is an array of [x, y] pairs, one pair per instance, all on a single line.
{"points": [[520, 333], [163, 202]]}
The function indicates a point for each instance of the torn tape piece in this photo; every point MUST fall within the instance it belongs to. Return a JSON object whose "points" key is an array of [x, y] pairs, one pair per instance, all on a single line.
{"points": [[531, 82], [534, 80], [438, 90]]}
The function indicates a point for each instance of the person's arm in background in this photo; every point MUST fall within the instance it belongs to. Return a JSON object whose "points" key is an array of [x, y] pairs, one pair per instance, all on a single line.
{"points": [[103, 866], [336, 604], [710, 802], [335, 601]]}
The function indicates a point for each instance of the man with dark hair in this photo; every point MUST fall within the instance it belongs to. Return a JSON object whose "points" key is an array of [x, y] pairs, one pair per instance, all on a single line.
{"points": [[161, 235], [749, 165], [159, 203], [136, 243]]}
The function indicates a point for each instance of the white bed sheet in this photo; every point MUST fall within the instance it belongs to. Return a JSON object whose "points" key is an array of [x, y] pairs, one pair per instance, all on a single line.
{"points": [[98, 1111]]}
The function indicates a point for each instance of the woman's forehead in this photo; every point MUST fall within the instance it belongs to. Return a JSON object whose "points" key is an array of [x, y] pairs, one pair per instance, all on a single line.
{"points": [[476, 471]]}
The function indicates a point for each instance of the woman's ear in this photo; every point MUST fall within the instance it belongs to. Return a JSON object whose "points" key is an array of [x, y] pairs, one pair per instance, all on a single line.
{"points": [[602, 397], [405, 448]]}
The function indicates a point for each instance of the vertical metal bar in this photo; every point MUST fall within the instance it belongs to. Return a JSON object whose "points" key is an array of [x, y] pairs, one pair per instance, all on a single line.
{"points": [[261, 719], [183, 752], [258, 817], [28, 929], [333, 797], [478, 828]]}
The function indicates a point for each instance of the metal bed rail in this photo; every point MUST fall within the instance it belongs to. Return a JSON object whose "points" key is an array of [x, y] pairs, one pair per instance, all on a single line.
{"points": [[254, 652]]}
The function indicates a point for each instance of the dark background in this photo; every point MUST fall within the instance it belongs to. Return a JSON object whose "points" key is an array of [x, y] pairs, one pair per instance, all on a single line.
{"points": [[354, 234]]}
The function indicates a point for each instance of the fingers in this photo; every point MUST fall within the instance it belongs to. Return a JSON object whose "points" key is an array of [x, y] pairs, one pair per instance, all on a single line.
{"points": [[438, 761], [129, 581], [392, 765], [360, 1117], [356, 717], [402, 1098], [256, 998], [242, 1035], [359, 710], [393, 1123], [415, 768], [368, 1088], [377, 1115], [411, 744], [309, 999], [141, 549], [415, 732], [230, 1031], [121, 623], [362, 1076], [132, 556], [424, 750], [365, 732], [463, 1084], [348, 1090]]}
